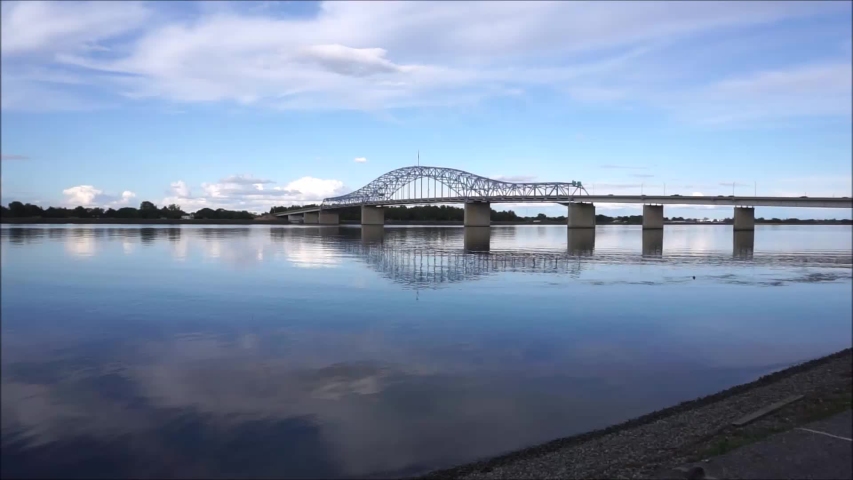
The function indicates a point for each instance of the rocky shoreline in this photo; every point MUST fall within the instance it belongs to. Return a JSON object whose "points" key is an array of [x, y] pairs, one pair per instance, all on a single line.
{"points": [[684, 433]]}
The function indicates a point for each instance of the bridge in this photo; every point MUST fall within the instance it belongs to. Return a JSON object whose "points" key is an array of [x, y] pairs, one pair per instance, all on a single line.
{"points": [[422, 185]]}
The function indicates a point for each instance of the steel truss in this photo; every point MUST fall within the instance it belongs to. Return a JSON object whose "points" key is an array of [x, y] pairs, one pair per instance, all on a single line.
{"points": [[451, 185]]}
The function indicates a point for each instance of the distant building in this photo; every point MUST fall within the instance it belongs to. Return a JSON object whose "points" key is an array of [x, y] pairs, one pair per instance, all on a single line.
{"points": [[187, 217]]}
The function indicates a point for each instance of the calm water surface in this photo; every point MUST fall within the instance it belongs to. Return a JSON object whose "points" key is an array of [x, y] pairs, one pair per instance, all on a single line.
{"points": [[331, 351]]}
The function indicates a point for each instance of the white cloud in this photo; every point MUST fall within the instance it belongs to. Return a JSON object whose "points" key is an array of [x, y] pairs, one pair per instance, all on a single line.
{"points": [[244, 180], [180, 189], [81, 195], [254, 197], [356, 62], [33, 27], [360, 160], [383, 55], [21, 94], [315, 188], [798, 91], [514, 178], [89, 196]]}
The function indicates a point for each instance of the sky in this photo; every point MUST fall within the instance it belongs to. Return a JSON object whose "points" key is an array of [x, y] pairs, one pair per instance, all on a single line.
{"points": [[253, 104]]}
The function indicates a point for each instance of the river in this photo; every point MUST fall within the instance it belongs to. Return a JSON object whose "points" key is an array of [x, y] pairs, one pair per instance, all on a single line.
{"points": [[265, 351]]}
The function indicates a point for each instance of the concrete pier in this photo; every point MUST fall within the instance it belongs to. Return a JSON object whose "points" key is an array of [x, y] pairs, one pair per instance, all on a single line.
{"points": [[311, 217], [372, 215], [295, 218], [477, 239], [743, 244], [328, 218], [744, 218], [581, 215], [652, 217], [652, 242], [581, 241], [478, 214], [372, 234]]}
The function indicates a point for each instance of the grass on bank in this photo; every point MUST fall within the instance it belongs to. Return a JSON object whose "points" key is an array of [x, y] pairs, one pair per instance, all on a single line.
{"points": [[807, 410]]}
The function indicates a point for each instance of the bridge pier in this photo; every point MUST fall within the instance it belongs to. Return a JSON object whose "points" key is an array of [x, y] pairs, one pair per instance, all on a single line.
{"points": [[328, 218], [311, 217], [478, 214], [581, 241], [652, 242], [295, 218], [372, 215], [652, 217], [744, 218], [581, 215], [476, 239]]}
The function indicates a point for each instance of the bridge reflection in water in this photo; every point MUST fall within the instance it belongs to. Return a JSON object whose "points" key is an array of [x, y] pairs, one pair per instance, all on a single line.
{"points": [[420, 266], [653, 243], [581, 241], [440, 255], [743, 244], [431, 257], [477, 239], [372, 234]]}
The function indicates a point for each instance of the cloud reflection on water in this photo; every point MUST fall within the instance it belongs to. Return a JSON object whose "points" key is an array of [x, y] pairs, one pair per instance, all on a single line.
{"points": [[236, 361]]}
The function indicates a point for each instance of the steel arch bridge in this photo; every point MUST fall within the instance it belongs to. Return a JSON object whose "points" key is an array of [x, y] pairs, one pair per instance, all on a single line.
{"points": [[421, 184]]}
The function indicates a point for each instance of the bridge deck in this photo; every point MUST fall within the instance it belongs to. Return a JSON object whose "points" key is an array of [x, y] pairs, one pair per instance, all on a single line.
{"points": [[730, 200], [737, 201]]}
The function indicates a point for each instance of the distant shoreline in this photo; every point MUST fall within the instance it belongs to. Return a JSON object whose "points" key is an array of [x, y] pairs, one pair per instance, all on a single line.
{"points": [[155, 221]]}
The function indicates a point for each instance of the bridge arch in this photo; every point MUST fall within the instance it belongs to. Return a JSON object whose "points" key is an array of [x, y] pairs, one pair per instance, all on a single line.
{"points": [[461, 186]]}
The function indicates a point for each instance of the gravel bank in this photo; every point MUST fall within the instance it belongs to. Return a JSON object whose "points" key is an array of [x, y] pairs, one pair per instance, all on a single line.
{"points": [[680, 434]]}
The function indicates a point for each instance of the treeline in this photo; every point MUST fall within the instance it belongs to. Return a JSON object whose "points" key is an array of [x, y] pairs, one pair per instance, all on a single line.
{"points": [[146, 210], [403, 213], [222, 214], [274, 210], [426, 213], [797, 221]]}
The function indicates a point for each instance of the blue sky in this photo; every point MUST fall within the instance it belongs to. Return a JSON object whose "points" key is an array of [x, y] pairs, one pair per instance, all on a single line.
{"points": [[253, 104]]}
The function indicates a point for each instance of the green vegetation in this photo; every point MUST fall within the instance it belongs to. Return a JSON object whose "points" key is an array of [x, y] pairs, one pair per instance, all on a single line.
{"points": [[292, 207], [427, 213], [146, 210], [798, 221], [811, 409], [739, 439]]}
